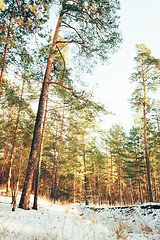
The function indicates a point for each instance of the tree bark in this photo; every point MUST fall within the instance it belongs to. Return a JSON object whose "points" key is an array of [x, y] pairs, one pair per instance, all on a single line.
{"points": [[44, 180], [54, 167], [94, 182], [85, 180], [119, 182], [25, 197], [15, 189], [14, 141], [35, 206], [147, 156], [157, 122], [145, 139], [139, 183], [111, 179], [74, 186], [58, 155], [131, 190], [5, 54], [5, 153]]}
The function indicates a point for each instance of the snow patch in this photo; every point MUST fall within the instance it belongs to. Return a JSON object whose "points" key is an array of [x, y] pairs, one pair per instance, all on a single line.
{"points": [[79, 222]]}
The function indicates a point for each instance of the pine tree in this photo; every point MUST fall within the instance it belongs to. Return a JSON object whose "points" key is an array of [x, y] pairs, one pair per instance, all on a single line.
{"points": [[147, 78], [97, 22]]}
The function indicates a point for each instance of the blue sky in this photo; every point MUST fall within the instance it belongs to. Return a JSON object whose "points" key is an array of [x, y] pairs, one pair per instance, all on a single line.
{"points": [[140, 20]]}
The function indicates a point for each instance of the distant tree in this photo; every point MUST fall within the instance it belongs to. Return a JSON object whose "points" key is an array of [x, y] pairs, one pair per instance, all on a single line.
{"points": [[134, 166], [147, 78], [116, 140]]}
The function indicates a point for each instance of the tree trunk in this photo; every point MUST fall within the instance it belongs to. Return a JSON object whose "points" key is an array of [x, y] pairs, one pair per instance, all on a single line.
{"points": [[15, 189], [5, 54], [140, 192], [14, 141], [5, 153], [131, 190], [139, 183], [39, 160], [54, 167], [12, 153], [94, 183], [147, 156], [119, 183], [157, 123], [56, 163], [85, 181], [53, 174], [44, 180], [25, 197], [74, 187], [145, 139]]}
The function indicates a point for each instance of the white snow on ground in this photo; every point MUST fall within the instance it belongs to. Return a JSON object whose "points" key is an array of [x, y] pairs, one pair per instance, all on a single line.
{"points": [[78, 222]]}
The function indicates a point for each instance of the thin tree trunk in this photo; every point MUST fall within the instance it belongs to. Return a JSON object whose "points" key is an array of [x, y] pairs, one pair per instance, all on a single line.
{"points": [[120, 185], [12, 154], [157, 123], [131, 190], [98, 186], [5, 153], [53, 174], [5, 54], [140, 192], [147, 157], [54, 167], [94, 183], [85, 180], [109, 183], [85, 177], [25, 197], [145, 140], [57, 160], [139, 183], [74, 187], [111, 180], [14, 141], [15, 190], [44, 180], [39, 160]]}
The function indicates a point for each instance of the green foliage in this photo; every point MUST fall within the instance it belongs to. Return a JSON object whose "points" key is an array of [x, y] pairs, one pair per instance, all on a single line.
{"points": [[93, 27], [134, 164], [146, 77]]}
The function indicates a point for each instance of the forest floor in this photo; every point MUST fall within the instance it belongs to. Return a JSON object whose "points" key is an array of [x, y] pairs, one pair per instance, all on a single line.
{"points": [[79, 222]]}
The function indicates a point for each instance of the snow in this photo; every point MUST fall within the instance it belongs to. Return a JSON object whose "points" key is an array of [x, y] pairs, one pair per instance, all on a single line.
{"points": [[79, 222]]}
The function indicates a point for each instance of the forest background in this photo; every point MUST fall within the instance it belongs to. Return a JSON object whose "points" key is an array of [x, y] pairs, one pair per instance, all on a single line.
{"points": [[78, 160]]}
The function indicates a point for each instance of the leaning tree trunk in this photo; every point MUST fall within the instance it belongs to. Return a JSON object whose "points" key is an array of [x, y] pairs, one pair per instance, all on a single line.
{"points": [[5, 54], [25, 197], [39, 160]]}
